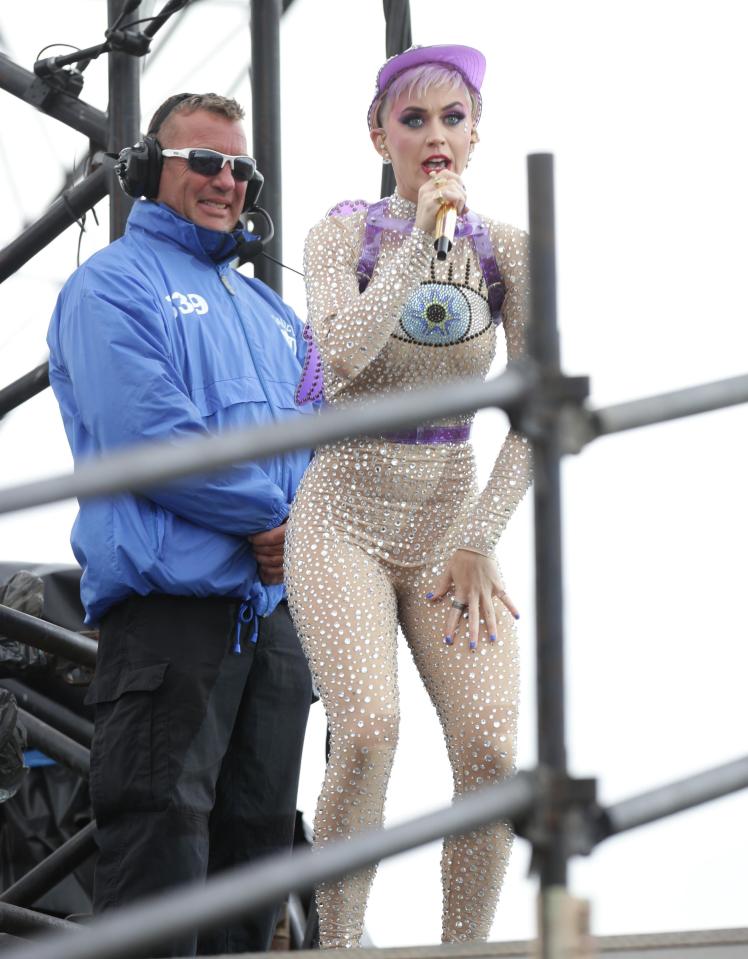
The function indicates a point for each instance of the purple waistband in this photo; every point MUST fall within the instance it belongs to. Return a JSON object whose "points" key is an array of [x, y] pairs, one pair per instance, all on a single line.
{"points": [[429, 435]]}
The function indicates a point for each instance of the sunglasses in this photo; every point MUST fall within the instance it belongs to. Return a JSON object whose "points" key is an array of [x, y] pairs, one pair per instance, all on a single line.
{"points": [[210, 163]]}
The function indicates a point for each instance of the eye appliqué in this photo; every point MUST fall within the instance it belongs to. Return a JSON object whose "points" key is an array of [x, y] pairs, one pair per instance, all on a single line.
{"points": [[443, 314]]}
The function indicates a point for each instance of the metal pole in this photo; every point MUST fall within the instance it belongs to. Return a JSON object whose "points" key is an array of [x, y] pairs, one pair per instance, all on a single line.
{"points": [[266, 126], [46, 874], [123, 119], [46, 709], [43, 635], [55, 745], [397, 37], [68, 110], [149, 464], [24, 388], [16, 920], [675, 797], [670, 406], [243, 890], [544, 349], [63, 212]]}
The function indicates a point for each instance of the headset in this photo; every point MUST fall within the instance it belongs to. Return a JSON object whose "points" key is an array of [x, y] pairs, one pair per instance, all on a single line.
{"points": [[138, 167]]}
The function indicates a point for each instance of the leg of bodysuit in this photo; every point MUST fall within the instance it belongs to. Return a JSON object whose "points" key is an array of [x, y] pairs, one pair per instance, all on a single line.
{"points": [[475, 695], [344, 610]]}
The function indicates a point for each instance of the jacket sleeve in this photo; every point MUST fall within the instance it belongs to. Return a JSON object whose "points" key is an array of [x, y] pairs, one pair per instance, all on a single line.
{"points": [[115, 351], [512, 471], [351, 328]]}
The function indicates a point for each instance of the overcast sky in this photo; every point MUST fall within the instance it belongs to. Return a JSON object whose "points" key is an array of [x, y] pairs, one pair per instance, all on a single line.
{"points": [[643, 106]]}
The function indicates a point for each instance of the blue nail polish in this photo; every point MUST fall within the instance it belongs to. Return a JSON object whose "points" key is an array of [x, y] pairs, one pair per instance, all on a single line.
{"points": [[492, 638], [429, 595], [448, 640], [516, 615], [472, 644]]}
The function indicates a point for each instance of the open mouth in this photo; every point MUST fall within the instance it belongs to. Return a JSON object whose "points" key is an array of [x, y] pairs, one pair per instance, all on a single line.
{"points": [[436, 163]]}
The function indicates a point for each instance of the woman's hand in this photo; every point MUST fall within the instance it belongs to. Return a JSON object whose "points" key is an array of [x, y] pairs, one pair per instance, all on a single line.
{"points": [[474, 581], [442, 187]]}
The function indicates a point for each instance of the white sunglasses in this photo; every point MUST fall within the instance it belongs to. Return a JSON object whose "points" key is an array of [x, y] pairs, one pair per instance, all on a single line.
{"points": [[211, 162]]}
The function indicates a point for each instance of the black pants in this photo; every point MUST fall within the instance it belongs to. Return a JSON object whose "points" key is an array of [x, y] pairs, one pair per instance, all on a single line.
{"points": [[196, 752]]}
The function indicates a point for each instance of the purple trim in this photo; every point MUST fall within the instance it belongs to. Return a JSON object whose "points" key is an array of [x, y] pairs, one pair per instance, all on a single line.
{"points": [[495, 288], [431, 435], [311, 386]]}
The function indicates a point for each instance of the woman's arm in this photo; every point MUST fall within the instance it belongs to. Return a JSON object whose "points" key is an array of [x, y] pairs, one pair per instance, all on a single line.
{"points": [[512, 471], [471, 574], [351, 328]]}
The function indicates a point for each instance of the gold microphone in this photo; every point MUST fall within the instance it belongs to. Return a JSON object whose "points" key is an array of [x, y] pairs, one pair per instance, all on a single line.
{"points": [[446, 221]]}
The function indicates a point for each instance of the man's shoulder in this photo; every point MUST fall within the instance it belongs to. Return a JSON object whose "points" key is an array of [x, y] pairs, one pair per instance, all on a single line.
{"points": [[110, 261]]}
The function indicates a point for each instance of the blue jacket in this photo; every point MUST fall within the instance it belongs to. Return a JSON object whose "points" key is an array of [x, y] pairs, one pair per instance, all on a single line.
{"points": [[156, 337]]}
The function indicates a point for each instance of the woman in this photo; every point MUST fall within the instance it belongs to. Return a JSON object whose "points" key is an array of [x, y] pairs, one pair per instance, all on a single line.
{"points": [[390, 530]]}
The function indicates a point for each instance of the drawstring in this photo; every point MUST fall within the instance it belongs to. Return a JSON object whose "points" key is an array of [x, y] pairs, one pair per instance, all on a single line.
{"points": [[245, 615]]}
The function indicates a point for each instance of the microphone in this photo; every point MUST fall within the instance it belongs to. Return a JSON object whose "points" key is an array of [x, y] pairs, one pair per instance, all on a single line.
{"points": [[446, 221]]}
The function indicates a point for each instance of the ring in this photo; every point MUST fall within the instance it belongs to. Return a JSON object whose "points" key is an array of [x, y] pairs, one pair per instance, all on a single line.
{"points": [[440, 196], [458, 605]]}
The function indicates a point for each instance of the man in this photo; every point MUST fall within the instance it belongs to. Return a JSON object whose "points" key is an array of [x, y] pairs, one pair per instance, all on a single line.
{"points": [[201, 689]]}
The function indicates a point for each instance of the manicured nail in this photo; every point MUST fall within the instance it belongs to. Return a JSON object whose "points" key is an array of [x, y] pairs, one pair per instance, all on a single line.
{"points": [[472, 644], [429, 595], [492, 638], [448, 640], [516, 615]]}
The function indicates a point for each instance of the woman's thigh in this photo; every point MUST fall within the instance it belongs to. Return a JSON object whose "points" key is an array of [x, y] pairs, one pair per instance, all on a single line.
{"points": [[474, 692]]}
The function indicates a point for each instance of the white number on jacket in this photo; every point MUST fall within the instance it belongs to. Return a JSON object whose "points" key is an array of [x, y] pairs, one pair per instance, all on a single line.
{"points": [[185, 303]]}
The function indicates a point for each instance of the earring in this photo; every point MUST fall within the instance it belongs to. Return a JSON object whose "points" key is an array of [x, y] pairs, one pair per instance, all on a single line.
{"points": [[386, 158]]}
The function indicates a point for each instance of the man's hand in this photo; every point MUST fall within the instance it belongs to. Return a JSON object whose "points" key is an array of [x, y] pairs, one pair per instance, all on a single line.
{"points": [[268, 550]]}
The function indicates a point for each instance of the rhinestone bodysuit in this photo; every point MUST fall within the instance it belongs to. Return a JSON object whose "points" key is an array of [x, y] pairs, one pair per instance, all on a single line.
{"points": [[372, 526]]}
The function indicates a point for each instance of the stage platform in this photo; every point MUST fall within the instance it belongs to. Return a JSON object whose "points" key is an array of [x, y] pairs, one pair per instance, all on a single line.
{"points": [[699, 944]]}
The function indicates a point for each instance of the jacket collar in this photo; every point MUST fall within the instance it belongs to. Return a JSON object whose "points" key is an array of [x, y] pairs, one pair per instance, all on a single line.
{"points": [[162, 223]]}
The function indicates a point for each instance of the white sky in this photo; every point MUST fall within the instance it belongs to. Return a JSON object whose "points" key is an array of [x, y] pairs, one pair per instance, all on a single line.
{"points": [[643, 105]]}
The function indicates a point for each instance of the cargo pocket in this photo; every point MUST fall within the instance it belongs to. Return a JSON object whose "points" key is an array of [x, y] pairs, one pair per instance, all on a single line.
{"points": [[130, 749]]}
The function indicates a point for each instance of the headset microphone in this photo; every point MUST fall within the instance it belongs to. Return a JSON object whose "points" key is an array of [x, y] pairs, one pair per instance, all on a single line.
{"points": [[249, 250]]}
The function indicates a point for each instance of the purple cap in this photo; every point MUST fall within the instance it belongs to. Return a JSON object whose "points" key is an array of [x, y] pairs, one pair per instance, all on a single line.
{"points": [[469, 63]]}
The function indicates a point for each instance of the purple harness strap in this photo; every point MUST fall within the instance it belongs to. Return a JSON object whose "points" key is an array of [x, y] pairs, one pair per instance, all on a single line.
{"points": [[311, 387]]}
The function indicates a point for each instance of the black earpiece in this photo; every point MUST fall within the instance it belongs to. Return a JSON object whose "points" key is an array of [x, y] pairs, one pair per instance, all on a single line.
{"points": [[139, 168]]}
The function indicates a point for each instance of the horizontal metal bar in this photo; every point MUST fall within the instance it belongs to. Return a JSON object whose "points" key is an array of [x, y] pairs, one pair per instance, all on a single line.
{"points": [[55, 744], [66, 210], [58, 864], [43, 635], [22, 389], [677, 796], [669, 406], [69, 110], [239, 892], [150, 464], [58, 716], [19, 921]]}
